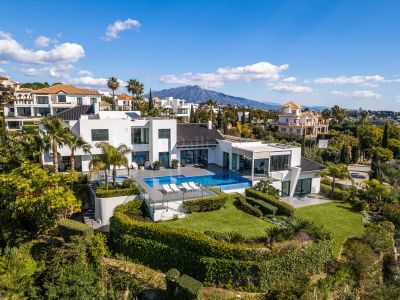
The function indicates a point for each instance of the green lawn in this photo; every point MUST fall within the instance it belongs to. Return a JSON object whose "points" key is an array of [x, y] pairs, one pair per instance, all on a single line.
{"points": [[223, 220], [337, 217]]}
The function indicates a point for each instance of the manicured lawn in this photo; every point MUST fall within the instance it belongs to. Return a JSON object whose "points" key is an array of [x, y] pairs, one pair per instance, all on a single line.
{"points": [[223, 220], [337, 217]]}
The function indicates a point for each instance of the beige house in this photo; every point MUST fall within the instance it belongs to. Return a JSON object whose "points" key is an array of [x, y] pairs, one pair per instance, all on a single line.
{"points": [[293, 120]]}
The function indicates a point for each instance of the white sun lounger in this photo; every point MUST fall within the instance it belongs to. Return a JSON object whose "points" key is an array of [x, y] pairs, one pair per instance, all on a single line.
{"points": [[187, 187], [174, 187], [193, 186], [167, 189]]}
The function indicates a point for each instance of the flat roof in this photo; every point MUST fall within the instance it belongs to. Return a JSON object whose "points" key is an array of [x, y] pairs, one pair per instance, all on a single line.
{"points": [[256, 147]]}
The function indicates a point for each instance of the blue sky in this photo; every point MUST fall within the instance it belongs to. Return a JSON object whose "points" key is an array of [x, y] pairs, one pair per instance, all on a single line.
{"points": [[312, 52]]}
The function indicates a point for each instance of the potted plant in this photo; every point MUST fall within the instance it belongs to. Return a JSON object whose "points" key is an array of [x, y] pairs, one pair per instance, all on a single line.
{"points": [[175, 163], [156, 165]]}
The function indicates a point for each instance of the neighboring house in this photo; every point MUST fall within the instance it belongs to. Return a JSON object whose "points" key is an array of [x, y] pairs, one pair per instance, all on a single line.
{"points": [[293, 120], [123, 102], [44, 102], [153, 139], [179, 107], [7, 86]]}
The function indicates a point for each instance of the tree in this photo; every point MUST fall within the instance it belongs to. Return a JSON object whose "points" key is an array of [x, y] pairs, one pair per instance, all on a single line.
{"points": [[330, 154], [113, 85], [336, 171], [364, 116], [355, 154], [385, 137], [303, 143], [344, 155], [136, 89], [151, 101], [326, 114], [74, 143], [57, 130], [377, 192], [33, 199], [36, 145], [219, 119], [394, 146], [338, 113], [119, 159]]}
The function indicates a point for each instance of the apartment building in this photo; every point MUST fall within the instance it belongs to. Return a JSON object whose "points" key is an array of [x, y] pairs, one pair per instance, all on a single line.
{"points": [[294, 121]]}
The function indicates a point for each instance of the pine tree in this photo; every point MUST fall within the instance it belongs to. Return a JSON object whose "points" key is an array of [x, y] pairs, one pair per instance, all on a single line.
{"points": [[385, 138], [192, 114], [243, 119], [196, 117], [303, 143], [151, 103], [219, 119]]}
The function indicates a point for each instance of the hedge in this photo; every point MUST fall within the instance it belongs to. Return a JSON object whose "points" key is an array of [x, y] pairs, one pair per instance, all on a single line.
{"points": [[241, 203], [171, 280], [69, 228], [391, 211], [189, 288], [337, 193], [283, 208], [205, 204], [265, 208], [101, 192]]}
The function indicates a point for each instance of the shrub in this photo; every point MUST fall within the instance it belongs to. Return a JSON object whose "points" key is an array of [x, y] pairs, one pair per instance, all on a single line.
{"points": [[205, 204], [229, 237], [103, 193], [337, 193], [392, 212], [189, 288], [265, 208], [243, 205], [69, 228], [326, 181], [265, 186], [128, 183], [283, 208], [171, 279], [135, 208]]}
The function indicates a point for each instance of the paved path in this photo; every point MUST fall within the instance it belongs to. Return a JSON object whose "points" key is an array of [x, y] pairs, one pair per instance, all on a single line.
{"points": [[359, 173], [308, 200]]}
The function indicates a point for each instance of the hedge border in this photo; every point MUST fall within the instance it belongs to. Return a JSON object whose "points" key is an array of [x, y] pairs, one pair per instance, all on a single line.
{"points": [[283, 208], [205, 204], [266, 208]]}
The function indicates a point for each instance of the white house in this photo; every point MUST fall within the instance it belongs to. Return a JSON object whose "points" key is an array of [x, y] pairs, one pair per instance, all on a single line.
{"points": [[123, 102], [179, 107]]}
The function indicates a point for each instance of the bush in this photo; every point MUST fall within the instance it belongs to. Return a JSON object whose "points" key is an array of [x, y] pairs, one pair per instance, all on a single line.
{"points": [[171, 279], [392, 212], [243, 205], [205, 204], [265, 186], [128, 183], [136, 209], [69, 228], [189, 288], [265, 208], [337, 193], [326, 181], [283, 208], [229, 237], [101, 192]]}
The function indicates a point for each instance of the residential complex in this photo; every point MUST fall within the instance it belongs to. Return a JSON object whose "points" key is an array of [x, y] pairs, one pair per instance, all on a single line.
{"points": [[179, 107], [294, 121]]}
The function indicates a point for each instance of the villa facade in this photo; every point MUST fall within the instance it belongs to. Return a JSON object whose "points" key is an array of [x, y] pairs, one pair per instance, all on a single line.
{"points": [[179, 107], [293, 120]]}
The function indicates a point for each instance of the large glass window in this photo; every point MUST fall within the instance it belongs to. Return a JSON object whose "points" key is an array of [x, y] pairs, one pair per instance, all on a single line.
{"points": [[285, 188], [140, 157], [139, 135], [280, 162], [235, 158], [61, 98], [164, 133], [261, 166], [303, 186], [42, 99], [196, 156], [164, 159], [99, 135]]}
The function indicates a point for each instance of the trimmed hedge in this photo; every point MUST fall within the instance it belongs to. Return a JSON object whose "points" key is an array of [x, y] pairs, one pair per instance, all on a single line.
{"points": [[205, 204], [189, 288], [283, 208], [101, 192], [241, 203], [267, 209], [69, 228], [337, 193], [171, 280]]}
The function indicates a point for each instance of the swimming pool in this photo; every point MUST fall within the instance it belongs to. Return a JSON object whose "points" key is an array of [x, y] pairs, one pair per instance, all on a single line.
{"points": [[224, 181]]}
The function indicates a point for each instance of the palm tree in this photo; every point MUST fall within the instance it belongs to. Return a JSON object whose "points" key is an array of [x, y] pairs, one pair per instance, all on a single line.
{"points": [[119, 159], [113, 85], [136, 89], [57, 130], [75, 142], [336, 171], [37, 144], [95, 165], [273, 233]]}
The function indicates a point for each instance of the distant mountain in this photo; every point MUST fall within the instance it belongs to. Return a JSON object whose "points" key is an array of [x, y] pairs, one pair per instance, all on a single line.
{"points": [[196, 94]]}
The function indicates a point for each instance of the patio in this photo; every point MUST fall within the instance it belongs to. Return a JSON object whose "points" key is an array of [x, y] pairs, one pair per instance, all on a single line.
{"points": [[306, 200]]}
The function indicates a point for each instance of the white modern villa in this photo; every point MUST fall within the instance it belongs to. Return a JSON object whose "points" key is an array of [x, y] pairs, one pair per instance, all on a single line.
{"points": [[179, 107]]}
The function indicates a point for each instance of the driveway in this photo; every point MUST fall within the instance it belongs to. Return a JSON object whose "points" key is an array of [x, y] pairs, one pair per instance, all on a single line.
{"points": [[359, 173]]}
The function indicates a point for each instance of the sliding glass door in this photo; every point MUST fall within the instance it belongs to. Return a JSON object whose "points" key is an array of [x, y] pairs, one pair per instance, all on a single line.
{"points": [[196, 156], [303, 186]]}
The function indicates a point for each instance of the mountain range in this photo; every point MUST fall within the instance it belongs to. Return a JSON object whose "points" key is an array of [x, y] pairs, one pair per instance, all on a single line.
{"points": [[196, 94]]}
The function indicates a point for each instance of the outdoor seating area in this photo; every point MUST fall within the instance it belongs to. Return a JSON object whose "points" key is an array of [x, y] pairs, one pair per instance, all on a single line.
{"points": [[185, 187]]}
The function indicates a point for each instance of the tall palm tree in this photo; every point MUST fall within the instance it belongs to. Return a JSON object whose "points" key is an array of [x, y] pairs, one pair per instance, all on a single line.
{"points": [[74, 143], [136, 89], [336, 171], [57, 130], [119, 159], [113, 85], [36, 145]]}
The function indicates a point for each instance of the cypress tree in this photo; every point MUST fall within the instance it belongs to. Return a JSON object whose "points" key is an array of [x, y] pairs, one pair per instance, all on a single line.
{"points": [[192, 116], [344, 155], [385, 138], [243, 119], [196, 117], [219, 119], [151, 103], [303, 143], [355, 154]]}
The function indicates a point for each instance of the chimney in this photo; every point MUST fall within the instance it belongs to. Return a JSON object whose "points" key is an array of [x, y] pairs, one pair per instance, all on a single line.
{"points": [[209, 125]]}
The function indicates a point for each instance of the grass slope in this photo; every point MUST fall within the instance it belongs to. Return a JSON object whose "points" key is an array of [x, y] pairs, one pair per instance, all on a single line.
{"points": [[223, 220], [337, 217]]}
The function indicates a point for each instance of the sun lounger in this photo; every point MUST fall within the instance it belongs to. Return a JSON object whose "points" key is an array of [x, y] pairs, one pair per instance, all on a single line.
{"points": [[193, 186], [187, 187], [167, 189], [174, 188]]}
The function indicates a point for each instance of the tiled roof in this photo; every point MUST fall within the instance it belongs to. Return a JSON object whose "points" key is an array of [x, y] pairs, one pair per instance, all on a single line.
{"points": [[292, 105], [23, 90], [67, 89], [197, 134], [123, 97], [74, 113], [310, 165]]}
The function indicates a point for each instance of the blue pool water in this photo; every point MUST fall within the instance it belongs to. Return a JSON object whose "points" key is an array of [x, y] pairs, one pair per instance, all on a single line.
{"points": [[229, 180]]}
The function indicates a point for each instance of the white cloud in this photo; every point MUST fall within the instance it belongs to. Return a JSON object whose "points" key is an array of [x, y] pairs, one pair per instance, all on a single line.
{"points": [[289, 79], [2, 70], [56, 71], [11, 50], [358, 79], [339, 93], [114, 29], [290, 88], [361, 94], [42, 41], [260, 71], [85, 72], [88, 81]]}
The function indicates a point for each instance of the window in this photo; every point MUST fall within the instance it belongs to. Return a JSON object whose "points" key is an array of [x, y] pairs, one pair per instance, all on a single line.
{"points": [[183, 111], [280, 162], [198, 156], [140, 157], [164, 133], [261, 166], [139, 135], [285, 188], [44, 111], [303, 186], [99, 135], [93, 100], [42, 99], [79, 100], [164, 159], [61, 98]]}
